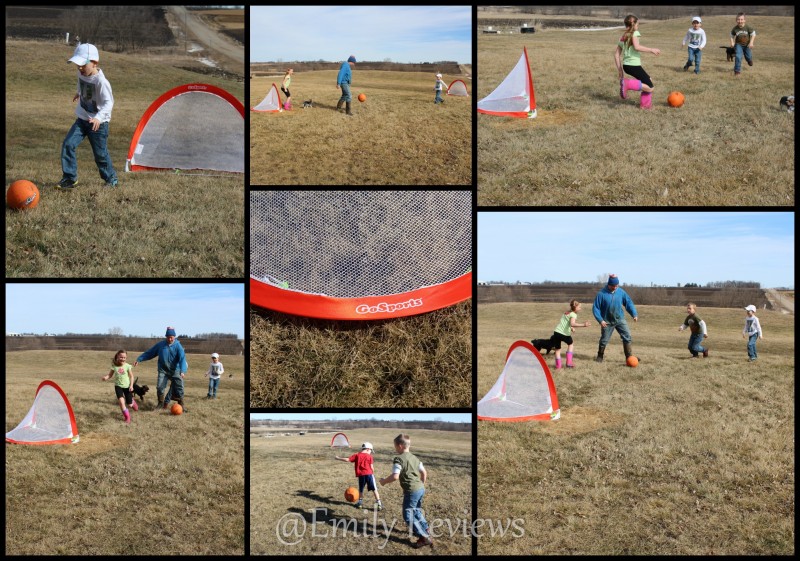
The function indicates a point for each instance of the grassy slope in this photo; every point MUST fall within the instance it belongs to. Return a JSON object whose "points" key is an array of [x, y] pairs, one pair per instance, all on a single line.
{"points": [[678, 456], [728, 145], [162, 485], [154, 225], [396, 137]]}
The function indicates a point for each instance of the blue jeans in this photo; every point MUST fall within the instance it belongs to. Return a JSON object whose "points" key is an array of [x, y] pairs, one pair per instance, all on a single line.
{"points": [[346, 93], [694, 58], [621, 327], [751, 346], [694, 344], [69, 160], [212, 386], [176, 389], [438, 97], [412, 513], [748, 55]]}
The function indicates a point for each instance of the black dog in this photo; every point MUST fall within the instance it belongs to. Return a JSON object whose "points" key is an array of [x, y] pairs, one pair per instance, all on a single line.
{"points": [[140, 390], [730, 53], [547, 344], [308, 103]]}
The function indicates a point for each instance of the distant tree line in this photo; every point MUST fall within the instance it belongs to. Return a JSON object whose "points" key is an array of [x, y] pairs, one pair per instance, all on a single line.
{"points": [[118, 28], [651, 12], [362, 423]]}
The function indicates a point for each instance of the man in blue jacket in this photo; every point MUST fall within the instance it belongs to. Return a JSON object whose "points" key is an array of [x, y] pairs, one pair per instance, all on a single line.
{"points": [[609, 310], [343, 81], [172, 366]]}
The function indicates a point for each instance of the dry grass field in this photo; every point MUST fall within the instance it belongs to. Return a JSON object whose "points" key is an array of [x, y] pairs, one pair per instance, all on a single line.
{"points": [[730, 144], [296, 484], [153, 224], [163, 485], [678, 456], [396, 137], [417, 361]]}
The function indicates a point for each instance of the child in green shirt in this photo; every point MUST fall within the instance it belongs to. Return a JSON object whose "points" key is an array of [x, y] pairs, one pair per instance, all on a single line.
{"points": [[563, 332], [123, 383], [408, 469]]}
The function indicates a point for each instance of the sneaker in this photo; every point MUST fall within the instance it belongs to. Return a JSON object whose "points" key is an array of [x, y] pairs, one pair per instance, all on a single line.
{"points": [[705, 353], [423, 542], [686, 66], [112, 183], [66, 184], [736, 74], [379, 506], [749, 62], [358, 504], [752, 359]]}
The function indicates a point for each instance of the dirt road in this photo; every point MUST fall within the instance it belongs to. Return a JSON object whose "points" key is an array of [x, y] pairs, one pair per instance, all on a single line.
{"points": [[780, 301], [222, 49]]}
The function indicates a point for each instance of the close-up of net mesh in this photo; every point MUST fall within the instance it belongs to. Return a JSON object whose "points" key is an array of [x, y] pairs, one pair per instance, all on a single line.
{"points": [[351, 244]]}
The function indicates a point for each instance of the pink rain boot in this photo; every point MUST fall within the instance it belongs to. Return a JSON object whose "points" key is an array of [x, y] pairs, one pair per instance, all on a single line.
{"points": [[127, 416], [629, 84], [569, 361], [647, 100], [558, 364], [134, 405]]}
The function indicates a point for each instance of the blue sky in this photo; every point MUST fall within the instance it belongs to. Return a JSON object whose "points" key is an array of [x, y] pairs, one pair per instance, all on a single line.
{"points": [[641, 248], [138, 309], [449, 417], [374, 33]]}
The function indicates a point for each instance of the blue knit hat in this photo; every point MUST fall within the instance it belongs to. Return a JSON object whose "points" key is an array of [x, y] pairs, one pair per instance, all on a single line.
{"points": [[351, 59], [170, 332], [613, 280]]}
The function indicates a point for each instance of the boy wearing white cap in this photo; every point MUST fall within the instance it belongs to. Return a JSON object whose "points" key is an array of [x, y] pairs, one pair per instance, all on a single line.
{"points": [[365, 473], [752, 332], [94, 113], [213, 374], [440, 85], [696, 37]]}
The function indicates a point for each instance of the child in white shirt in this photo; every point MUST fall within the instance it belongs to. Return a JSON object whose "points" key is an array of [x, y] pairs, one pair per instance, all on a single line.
{"points": [[696, 37]]}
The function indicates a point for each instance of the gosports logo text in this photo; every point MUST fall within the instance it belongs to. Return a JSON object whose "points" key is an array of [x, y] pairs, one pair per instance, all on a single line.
{"points": [[384, 307]]}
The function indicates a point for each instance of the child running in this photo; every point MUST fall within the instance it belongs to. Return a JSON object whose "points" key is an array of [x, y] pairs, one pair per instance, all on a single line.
{"points": [[563, 332], [696, 38], [628, 61], [698, 328], [407, 468], [123, 384], [364, 473]]}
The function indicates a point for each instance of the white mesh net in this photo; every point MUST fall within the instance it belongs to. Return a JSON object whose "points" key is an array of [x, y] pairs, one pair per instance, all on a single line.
{"points": [[340, 441], [271, 102], [48, 419], [520, 391], [512, 95], [193, 130], [351, 244]]}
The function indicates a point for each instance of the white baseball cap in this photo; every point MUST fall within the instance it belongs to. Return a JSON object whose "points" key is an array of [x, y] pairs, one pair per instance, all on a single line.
{"points": [[84, 53], [697, 19], [367, 445], [750, 308], [214, 355], [438, 75]]}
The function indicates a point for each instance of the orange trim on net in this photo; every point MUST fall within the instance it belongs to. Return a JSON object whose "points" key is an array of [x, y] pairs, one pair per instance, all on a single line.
{"points": [[410, 303]]}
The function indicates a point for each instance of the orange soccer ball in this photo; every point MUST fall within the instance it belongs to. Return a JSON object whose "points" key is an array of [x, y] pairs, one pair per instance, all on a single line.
{"points": [[632, 361], [176, 409], [22, 194], [351, 494], [675, 99], [362, 97]]}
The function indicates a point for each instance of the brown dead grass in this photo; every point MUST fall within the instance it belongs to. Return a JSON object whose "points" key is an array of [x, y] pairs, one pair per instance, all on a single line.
{"points": [[396, 137]]}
